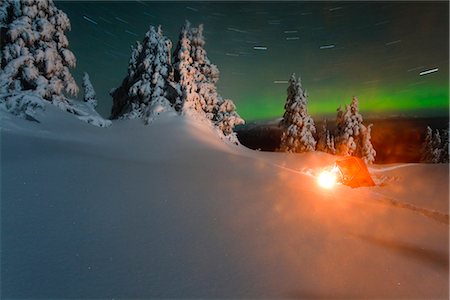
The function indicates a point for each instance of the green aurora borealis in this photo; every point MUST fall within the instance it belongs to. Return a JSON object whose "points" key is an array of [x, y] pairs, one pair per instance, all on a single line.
{"points": [[373, 50], [420, 101]]}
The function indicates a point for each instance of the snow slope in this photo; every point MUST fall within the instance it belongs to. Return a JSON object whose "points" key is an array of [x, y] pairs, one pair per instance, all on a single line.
{"points": [[170, 211]]}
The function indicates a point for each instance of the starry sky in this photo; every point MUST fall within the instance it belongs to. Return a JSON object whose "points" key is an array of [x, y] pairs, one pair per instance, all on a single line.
{"points": [[393, 56]]}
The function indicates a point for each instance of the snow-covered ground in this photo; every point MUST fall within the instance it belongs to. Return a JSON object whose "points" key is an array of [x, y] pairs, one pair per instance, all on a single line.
{"points": [[169, 210]]}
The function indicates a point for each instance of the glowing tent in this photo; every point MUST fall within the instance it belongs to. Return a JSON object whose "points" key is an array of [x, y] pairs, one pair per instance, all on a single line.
{"points": [[354, 172]]}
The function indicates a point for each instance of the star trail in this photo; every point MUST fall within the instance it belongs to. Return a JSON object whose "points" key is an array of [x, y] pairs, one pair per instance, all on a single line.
{"points": [[392, 55]]}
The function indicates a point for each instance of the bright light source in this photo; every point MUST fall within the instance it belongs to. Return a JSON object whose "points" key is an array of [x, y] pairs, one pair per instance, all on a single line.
{"points": [[327, 179]]}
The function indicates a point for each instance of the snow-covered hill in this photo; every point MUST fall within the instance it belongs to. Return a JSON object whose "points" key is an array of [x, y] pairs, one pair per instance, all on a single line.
{"points": [[169, 210]]}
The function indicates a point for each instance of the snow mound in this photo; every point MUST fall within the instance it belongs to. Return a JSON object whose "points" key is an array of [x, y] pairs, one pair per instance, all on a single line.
{"points": [[27, 104]]}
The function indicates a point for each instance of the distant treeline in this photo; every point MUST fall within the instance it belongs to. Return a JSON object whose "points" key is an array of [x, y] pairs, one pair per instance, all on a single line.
{"points": [[399, 140]]}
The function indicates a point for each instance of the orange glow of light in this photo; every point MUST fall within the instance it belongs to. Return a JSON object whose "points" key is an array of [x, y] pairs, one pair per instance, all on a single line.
{"points": [[327, 179]]}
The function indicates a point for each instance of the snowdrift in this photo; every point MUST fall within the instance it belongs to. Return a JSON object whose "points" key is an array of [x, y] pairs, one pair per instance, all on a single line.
{"points": [[171, 211]]}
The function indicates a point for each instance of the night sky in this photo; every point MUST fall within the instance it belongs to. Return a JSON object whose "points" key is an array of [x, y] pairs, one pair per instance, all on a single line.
{"points": [[374, 50]]}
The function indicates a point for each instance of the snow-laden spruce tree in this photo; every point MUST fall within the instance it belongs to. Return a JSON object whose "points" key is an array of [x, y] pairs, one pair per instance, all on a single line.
{"points": [[352, 137], [34, 51], [298, 126], [35, 60], [435, 148], [207, 75], [325, 141], [365, 149], [197, 78], [437, 143], [186, 74], [90, 96], [148, 88]]}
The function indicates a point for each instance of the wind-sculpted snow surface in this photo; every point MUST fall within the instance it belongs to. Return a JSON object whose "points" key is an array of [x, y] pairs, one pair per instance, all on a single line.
{"points": [[170, 211]]}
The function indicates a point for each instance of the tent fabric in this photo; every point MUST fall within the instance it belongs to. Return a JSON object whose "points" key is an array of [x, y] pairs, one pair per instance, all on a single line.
{"points": [[354, 172]]}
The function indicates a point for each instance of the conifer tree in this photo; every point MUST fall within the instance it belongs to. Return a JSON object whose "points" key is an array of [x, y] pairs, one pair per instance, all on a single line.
{"points": [[298, 126], [427, 146], [325, 141], [322, 137], [330, 143], [434, 148], [35, 60], [437, 150], [444, 146], [197, 78], [34, 50], [352, 136], [186, 74], [366, 150], [148, 89], [207, 76], [90, 96]]}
